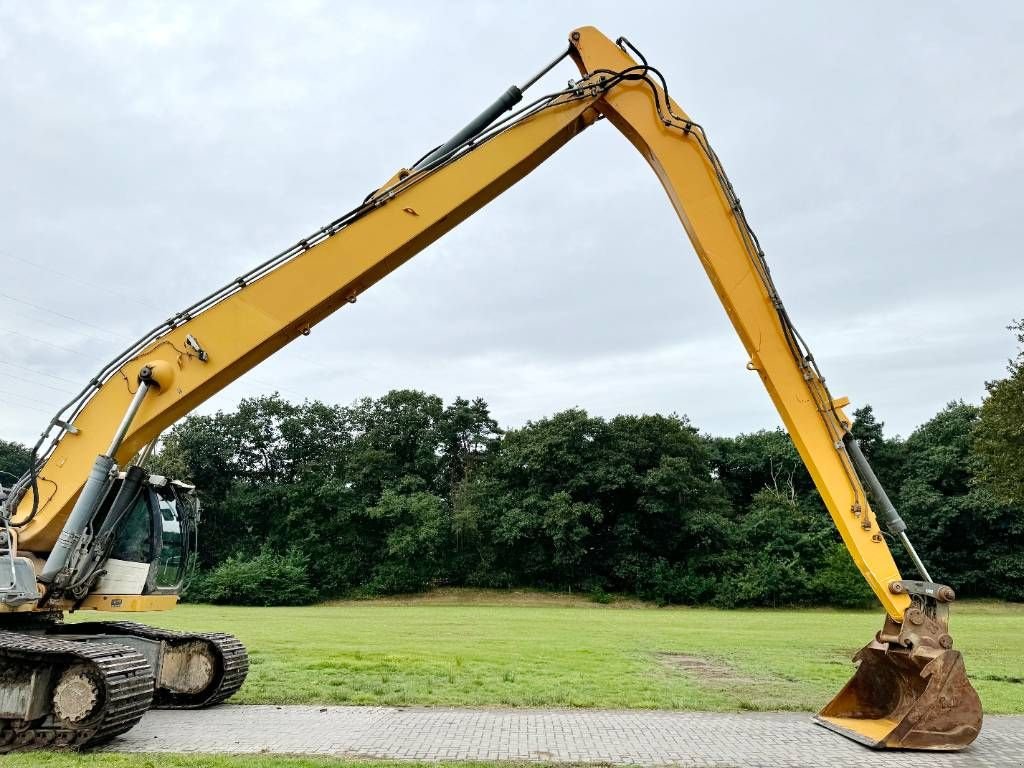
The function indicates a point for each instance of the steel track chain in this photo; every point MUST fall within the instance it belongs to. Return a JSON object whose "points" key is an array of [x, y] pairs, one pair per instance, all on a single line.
{"points": [[232, 659], [126, 691]]}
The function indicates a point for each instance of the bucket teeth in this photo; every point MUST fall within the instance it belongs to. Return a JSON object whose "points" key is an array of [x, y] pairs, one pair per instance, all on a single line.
{"points": [[900, 699]]}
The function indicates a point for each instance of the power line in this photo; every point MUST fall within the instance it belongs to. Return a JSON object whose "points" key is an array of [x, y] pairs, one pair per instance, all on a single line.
{"points": [[267, 385], [262, 383], [52, 311], [47, 343], [104, 330], [29, 407], [38, 372], [67, 331], [39, 384], [28, 399], [51, 271]]}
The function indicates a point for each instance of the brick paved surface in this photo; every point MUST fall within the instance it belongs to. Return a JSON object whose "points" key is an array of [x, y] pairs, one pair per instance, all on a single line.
{"points": [[637, 737]]}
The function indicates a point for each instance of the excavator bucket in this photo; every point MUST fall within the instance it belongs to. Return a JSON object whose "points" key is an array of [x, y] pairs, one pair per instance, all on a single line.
{"points": [[899, 699]]}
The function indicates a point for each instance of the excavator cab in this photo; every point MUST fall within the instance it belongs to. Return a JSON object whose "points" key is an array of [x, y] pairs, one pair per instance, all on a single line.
{"points": [[152, 543], [140, 541]]}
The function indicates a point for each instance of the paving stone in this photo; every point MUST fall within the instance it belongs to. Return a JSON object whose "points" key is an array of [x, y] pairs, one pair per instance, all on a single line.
{"points": [[692, 739]]}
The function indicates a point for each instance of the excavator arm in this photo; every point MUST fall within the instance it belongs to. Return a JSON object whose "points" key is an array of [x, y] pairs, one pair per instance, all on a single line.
{"points": [[199, 351]]}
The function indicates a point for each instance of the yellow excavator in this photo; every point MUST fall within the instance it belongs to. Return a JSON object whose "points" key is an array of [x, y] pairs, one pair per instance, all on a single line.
{"points": [[88, 528]]}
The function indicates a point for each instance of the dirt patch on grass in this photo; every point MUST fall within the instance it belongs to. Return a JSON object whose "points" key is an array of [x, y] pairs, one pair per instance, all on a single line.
{"points": [[745, 690], [704, 669], [1017, 680], [463, 596]]}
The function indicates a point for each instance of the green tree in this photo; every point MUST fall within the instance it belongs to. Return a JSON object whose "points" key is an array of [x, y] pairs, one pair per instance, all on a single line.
{"points": [[418, 534], [351, 487], [999, 437], [785, 542], [517, 502], [751, 463], [401, 492], [14, 460], [885, 454], [673, 540], [465, 432], [327, 520], [393, 439], [269, 578], [200, 450], [629, 504], [837, 581], [959, 528], [244, 463]]}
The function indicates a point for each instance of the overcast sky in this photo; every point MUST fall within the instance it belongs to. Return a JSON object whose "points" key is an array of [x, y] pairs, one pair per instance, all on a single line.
{"points": [[152, 152]]}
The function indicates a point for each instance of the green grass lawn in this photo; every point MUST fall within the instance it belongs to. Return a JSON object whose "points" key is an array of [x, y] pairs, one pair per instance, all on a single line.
{"points": [[464, 648]]}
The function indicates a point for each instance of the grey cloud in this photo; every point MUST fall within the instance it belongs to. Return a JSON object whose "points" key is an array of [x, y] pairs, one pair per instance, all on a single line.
{"points": [[154, 151]]}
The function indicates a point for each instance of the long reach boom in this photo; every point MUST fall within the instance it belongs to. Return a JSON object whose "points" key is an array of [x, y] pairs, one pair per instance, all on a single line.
{"points": [[910, 689]]}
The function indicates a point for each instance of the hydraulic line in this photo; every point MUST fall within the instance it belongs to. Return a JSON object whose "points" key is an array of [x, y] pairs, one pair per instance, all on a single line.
{"points": [[93, 492], [65, 416], [886, 510], [478, 124], [597, 82]]}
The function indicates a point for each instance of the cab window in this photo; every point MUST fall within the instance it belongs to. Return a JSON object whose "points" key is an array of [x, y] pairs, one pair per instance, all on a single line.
{"points": [[170, 565], [134, 541]]}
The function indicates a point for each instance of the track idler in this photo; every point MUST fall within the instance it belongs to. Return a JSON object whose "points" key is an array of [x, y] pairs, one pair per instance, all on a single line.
{"points": [[910, 690]]}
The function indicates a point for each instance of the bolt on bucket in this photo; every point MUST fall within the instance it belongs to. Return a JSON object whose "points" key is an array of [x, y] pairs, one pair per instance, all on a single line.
{"points": [[909, 692]]}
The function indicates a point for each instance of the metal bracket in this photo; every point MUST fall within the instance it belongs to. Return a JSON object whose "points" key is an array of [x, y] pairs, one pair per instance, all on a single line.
{"points": [[193, 343], [71, 429], [939, 592]]}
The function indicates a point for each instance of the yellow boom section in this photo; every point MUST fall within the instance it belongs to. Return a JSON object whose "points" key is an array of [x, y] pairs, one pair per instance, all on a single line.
{"points": [[677, 152], [249, 325]]}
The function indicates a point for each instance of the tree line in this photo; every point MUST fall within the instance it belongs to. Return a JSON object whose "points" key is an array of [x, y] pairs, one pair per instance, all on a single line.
{"points": [[403, 492]]}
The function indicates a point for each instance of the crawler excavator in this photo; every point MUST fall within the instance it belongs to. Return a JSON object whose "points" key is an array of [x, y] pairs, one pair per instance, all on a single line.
{"points": [[88, 528]]}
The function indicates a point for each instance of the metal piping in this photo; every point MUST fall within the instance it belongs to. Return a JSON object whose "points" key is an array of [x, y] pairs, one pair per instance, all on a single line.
{"points": [[93, 492], [525, 86], [913, 556], [9, 504], [89, 500], [478, 124], [140, 460], [129, 415], [885, 508], [474, 127]]}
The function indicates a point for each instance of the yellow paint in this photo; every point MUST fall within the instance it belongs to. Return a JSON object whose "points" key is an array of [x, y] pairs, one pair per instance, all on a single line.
{"points": [[252, 324], [24, 608], [129, 603], [162, 373], [701, 204], [875, 729]]}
